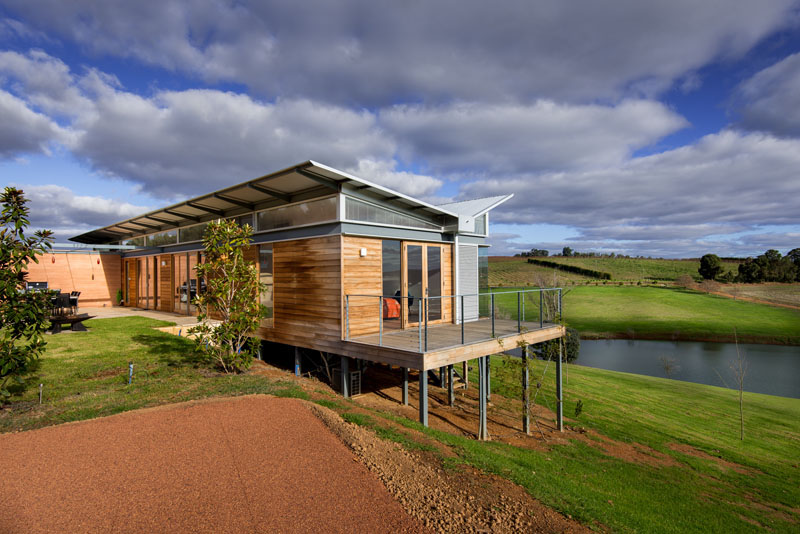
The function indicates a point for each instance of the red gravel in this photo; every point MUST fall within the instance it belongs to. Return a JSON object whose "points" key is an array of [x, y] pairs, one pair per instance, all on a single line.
{"points": [[250, 464]]}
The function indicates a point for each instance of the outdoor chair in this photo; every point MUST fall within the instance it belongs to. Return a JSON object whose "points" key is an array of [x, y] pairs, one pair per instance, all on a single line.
{"points": [[73, 300]]}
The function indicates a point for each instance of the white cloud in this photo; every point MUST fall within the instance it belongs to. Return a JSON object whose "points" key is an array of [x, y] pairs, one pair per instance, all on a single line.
{"points": [[770, 100], [57, 208], [379, 53], [22, 130], [384, 173]]}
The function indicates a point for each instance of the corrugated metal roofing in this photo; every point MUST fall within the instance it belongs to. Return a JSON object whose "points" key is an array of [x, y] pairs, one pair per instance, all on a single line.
{"points": [[475, 207]]}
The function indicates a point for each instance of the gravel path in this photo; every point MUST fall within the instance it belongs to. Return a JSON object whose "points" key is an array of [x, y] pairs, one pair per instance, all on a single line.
{"points": [[250, 464]]}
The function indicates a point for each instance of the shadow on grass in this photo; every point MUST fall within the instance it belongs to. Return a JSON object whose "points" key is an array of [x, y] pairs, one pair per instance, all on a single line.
{"points": [[171, 350]]}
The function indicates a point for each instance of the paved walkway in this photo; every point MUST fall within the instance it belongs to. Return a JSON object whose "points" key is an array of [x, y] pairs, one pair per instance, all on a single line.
{"points": [[250, 464], [120, 311]]}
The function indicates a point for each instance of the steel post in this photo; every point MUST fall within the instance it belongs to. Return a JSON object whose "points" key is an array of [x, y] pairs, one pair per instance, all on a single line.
{"points": [[345, 377], [541, 302], [425, 301], [492, 314], [419, 323], [380, 322], [347, 317], [559, 392], [483, 433], [519, 313], [462, 319], [423, 397], [526, 399], [405, 386], [488, 364], [451, 389]]}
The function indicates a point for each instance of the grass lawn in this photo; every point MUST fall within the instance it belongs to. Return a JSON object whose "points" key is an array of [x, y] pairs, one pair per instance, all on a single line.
{"points": [[85, 375], [666, 313], [697, 495], [517, 271]]}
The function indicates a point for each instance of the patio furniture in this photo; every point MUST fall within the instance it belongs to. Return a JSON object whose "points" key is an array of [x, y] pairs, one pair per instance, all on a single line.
{"points": [[61, 303], [73, 300]]}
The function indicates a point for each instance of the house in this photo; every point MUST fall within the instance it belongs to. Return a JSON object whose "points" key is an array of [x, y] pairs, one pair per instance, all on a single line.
{"points": [[352, 269]]}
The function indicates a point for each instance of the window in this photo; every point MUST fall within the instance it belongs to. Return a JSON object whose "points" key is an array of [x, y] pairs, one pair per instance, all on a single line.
{"points": [[135, 241], [265, 267], [313, 211], [356, 210], [390, 259], [480, 225], [192, 233], [169, 237]]}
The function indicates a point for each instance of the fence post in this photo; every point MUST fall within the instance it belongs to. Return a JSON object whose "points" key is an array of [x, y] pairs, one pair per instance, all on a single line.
{"points": [[462, 319], [347, 317], [425, 301], [541, 301], [419, 323], [492, 314], [380, 319], [519, 311]]}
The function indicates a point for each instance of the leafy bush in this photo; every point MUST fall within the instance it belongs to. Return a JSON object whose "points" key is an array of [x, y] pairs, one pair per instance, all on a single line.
{"points": [[23, 315]]}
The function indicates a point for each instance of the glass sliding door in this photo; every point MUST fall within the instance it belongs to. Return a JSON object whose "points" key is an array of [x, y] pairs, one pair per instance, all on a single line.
{"points": [[181, 294], [414, 282], [193, 281]]}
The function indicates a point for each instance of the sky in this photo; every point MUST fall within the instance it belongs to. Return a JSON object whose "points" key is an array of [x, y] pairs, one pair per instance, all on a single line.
{"points": [[663, 129]]}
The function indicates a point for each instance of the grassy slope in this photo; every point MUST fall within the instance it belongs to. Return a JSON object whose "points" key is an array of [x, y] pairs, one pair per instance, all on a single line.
{"points": [[663, 313], [697, 496], [85, 375]]}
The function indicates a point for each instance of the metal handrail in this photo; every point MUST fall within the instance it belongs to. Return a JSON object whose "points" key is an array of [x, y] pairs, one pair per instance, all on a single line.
{"points": [[423, 311]]}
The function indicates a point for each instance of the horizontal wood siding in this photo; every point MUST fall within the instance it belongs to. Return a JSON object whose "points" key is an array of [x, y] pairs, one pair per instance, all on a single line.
{"points": [[97, 276]]}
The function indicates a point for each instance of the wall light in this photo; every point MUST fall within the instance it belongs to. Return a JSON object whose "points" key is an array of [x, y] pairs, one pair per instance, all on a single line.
{"points": [[363, 252]]}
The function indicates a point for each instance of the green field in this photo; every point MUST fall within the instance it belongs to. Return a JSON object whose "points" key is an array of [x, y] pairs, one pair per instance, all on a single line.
{"points": [[518, 272], [696, 495], [743, 486], [668, 313], [85, 375]]}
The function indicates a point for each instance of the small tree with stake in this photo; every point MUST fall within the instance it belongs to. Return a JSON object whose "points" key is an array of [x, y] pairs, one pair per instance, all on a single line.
{"points": [[23, 316], [232, 293]]}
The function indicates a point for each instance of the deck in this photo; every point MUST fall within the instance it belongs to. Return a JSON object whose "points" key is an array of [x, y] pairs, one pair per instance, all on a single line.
{"points": [[444, 341]]}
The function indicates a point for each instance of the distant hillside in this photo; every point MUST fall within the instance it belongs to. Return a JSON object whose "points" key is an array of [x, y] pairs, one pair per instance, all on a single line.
{"points": [[507, 271]]}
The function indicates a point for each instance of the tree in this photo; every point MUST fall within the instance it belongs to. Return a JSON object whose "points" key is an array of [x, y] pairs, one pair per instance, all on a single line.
{"points": [[548, 350], [232, 293], [23, 315], [794, 256], [566, 251], [710, 267], [749, 272]]}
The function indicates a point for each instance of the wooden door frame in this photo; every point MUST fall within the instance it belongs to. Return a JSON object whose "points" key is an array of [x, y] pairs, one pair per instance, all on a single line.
{"points": [[406, 320]]}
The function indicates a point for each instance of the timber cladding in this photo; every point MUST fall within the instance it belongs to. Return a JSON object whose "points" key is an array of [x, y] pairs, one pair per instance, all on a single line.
{"points": [[307, 293], [165, 289], [96, 275], [362, 276]]}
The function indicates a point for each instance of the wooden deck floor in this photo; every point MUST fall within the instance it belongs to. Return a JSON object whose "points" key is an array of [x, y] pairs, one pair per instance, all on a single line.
{"points": [[448, 336]]}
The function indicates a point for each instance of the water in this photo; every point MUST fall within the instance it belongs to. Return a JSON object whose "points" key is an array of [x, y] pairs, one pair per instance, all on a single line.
{"points": [[772, 369]]}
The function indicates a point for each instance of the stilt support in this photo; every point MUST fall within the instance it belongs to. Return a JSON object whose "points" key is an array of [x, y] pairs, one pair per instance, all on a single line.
{"points": [[451, 388], [405, 386], [526, 396], [423, 397], [483, 431], [559, 392], [488, 363], [345, 377], [465, 374]]}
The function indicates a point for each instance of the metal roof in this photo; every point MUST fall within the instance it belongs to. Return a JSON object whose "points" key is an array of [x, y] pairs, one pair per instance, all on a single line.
{"points": [[294, 184], [475, 207]]}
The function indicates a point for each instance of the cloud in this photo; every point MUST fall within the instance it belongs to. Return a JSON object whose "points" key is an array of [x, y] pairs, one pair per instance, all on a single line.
{"points": [[57, 208], [384, 173], [22, 130], [515, 138], [770, 100], [378, 54]]}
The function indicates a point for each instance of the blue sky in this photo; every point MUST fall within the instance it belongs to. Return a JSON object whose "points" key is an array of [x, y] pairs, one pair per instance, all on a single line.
{"points": [[657, 129]]}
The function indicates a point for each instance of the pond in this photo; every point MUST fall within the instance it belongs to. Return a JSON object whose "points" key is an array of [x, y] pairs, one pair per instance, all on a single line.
{"points": [[772, 369]]}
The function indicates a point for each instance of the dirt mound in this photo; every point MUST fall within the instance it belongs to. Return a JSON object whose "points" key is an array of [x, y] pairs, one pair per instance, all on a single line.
{"points": [[463, 500]]}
